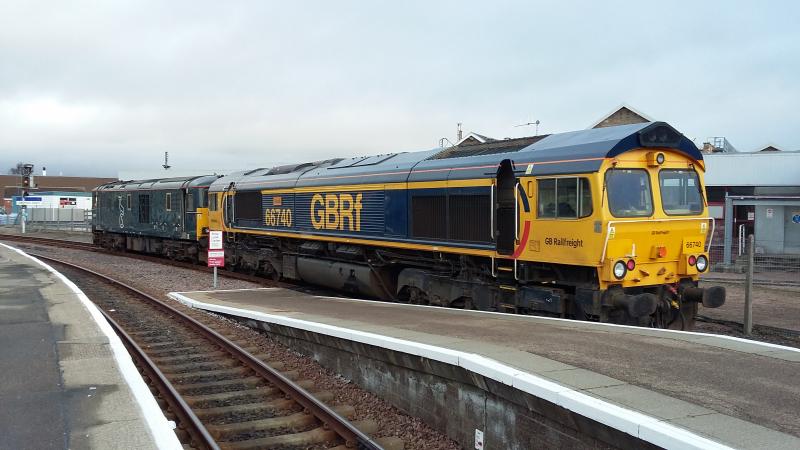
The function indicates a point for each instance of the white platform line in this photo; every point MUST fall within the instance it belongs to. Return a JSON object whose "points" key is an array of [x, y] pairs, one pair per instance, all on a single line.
{"points": [[647, 428], [155, 421]]}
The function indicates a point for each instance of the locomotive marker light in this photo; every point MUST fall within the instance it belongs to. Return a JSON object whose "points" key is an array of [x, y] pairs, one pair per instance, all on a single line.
{"points": [[620, 269], [701, 263], [655, 159]]}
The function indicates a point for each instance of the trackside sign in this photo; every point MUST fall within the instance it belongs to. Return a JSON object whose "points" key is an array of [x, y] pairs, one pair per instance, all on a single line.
{"points": [[216, 258]]}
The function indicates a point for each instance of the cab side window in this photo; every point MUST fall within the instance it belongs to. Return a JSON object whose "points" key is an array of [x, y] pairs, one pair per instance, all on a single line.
{"points": [[212, 202], [564, 198]]}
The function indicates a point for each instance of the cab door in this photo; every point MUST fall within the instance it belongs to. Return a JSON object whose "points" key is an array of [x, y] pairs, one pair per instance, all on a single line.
{"points": [[505, 208], [190, 213]]}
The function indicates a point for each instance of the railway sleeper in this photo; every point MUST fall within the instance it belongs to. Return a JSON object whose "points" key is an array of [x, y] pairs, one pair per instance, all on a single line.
{"points": [[282, 404], [260, 391], [226, 373], [306, 438], [186, 344], [295, 421], [219, 386], [201, 366], [184, 358]]}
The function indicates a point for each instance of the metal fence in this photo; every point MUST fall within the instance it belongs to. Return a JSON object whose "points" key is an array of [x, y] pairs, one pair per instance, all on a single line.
{"points": [[42, 219], [766, 261]]}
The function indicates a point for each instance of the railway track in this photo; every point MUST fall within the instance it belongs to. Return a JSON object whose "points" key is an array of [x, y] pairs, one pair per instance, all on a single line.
{"points": [[221, 395], [766, 333], [762, 332], [63, 243]]}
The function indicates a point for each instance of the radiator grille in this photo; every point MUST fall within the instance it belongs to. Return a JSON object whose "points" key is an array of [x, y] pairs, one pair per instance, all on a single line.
{"points": [[469, 218], [429, 218]]}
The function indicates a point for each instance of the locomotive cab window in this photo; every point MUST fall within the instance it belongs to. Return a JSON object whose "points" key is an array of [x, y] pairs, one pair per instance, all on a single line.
{"points": [[190, 201], [681, 194], [212, 202], [629, 193], [564, 198], [168, 202]]}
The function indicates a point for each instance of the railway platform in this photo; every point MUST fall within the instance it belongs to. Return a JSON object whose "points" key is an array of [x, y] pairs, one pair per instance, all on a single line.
{"points": [[524, 382], [66, 379]]}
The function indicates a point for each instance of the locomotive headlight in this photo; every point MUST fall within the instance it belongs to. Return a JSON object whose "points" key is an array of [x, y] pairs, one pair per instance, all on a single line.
{"points": [[660, 158], [620, 270], [702, 263]]}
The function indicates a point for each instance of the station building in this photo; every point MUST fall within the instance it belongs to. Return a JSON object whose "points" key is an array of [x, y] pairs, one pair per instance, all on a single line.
{"points": [[70, 187], [755, 193]]}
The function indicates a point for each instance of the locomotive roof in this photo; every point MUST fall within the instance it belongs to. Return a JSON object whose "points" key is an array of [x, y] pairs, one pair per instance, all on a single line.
{"points": [[580, 151], [158, 183]]}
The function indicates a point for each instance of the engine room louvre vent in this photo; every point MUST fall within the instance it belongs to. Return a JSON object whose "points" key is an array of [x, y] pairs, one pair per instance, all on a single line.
{"points": [[469, 218], [247, 206], [428, 218]]}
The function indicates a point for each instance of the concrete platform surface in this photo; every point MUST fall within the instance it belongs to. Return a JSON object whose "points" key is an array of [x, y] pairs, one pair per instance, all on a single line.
{"points": [[65, 382], [734, 392]]}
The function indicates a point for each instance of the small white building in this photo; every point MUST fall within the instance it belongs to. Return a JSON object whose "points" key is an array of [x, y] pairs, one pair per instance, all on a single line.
{"points": [[756, 193]]}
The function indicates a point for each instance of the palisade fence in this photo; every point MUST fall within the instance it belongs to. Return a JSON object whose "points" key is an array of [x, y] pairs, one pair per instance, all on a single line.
{"points": [[64, 219], [777, 266]]}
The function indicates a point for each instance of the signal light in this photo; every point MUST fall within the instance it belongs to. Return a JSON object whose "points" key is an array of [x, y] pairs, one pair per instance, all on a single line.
{"points": [[692, 260], [631, 264]]}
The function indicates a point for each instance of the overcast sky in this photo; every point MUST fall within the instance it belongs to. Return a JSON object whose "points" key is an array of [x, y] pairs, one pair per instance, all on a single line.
{"points": [[91, 88]]}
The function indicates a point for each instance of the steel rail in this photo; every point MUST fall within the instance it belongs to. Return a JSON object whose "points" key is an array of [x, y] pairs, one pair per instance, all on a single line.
{"points": [[332, 420], [143, 257], [48, 241], [198, 434]]}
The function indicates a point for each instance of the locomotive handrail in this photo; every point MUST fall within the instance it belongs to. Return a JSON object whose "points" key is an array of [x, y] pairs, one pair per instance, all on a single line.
{"points": [[492, 211], [516, 211], [610, 222]]}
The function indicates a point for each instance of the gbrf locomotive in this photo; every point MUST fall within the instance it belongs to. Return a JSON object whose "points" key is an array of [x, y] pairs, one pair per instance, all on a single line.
{"points": [[606, 224]]}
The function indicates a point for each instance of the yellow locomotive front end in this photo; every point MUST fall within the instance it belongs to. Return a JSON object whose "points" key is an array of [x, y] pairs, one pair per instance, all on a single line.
{"points": [[640, 223]]}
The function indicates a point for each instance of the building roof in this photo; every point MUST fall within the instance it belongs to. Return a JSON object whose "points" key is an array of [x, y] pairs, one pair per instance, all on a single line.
{"points": [[753, 169], [622, 115], [10, 185], [474, 139]]}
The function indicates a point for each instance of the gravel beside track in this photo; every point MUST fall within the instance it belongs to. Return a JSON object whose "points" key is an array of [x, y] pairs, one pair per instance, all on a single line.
{"points": [[158, 279]]}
